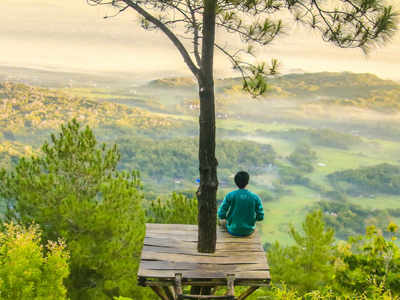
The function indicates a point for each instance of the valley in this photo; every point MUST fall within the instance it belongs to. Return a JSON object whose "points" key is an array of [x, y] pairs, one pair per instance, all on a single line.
{"points": [[307, 127]]}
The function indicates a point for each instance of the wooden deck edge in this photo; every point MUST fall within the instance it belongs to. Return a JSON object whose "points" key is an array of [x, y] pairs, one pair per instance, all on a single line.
{"points": [[145, 281]]}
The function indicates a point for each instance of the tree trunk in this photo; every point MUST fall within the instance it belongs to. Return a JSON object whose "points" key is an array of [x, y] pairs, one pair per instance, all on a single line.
{"points": [[207, 193]]}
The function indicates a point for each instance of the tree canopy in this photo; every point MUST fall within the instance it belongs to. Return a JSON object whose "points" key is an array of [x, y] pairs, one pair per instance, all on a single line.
{"points": [[345, 23]]}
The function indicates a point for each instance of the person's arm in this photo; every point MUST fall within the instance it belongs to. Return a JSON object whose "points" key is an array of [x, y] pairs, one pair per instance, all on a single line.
{"points": [[259, 210], [223, 209]]}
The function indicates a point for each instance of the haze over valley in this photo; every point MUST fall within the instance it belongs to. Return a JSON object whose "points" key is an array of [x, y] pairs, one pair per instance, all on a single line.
{"points": [[316, 140]]}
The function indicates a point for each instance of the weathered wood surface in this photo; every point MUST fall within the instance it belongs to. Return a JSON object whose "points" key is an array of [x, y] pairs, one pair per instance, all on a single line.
{"points": [[170, 249]]}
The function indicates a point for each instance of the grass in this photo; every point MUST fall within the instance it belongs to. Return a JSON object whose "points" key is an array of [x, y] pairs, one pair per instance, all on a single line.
{"points": [[249, 127], [290, 209], [95, 93]]}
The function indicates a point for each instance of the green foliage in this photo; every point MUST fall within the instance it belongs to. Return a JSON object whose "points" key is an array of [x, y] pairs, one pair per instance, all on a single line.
{"points": [[321, 137], [267, 196], [351, 219], [29, 271], [178, 158], [291, 175], [283, 292], [365, 267], [26, 108], [383, 178], [176, 210], [307, 264], [73, 191], [303, 157], [370, 261]]}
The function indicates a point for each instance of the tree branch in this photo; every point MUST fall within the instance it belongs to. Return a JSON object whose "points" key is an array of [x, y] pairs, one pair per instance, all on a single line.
{"points": [[195, 34], [178, 44]]}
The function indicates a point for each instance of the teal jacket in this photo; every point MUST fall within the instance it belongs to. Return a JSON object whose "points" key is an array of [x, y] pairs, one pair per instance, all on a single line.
{"points": [[241, 209]]}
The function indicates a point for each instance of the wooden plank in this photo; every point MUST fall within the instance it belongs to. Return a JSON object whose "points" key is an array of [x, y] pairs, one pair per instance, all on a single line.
{"points": [[169, 292], [172, 248], [203, 275], [178, 231], [179, 227], [218, 253], [213, 282], [248, 292], [158, 290], [175, 243], [171, 226], [251, 258], [165, 265], [191, 237], [190, 232]]}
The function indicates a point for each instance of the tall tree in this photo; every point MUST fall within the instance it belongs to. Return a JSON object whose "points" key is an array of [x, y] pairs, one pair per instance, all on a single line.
{"points": [[73, 191], [345, 23]]}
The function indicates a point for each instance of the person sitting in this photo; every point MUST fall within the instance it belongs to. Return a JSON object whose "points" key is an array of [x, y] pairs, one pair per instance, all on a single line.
{"points": [[241, 208]]}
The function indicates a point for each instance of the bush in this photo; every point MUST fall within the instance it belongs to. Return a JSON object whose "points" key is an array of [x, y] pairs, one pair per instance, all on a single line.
{"points": [[369, 263], [177, 210], [302, 158], [27, 270]]}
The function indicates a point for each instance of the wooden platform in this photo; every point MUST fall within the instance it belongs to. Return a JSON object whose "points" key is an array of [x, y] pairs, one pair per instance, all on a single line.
{"points": [[171, 249]]}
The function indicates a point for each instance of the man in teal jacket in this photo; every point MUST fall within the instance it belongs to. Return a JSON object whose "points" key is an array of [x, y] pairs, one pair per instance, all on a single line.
{"points": [[241, 208]]}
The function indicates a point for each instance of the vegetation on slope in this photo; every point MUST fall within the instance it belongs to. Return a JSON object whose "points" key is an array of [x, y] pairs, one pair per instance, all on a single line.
{"points": [[383, 178], [27, 108], [176, 159], [341, 89]]}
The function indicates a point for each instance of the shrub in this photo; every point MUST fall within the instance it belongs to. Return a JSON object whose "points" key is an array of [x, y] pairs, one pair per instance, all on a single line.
{"points": [[29, 271]]}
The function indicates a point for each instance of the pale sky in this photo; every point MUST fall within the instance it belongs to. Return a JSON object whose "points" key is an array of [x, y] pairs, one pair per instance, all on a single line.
{"points": [[69, 35]]}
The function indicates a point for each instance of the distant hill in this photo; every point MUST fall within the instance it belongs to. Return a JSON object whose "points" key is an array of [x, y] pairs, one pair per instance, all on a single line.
{"points": [[325, 88], [175, 82], [343, 89], [24, 107], [58, 79]]}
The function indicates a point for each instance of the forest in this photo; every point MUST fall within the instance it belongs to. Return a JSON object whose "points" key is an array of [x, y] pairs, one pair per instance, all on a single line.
{"points": [[324, 163], [93, 217]]}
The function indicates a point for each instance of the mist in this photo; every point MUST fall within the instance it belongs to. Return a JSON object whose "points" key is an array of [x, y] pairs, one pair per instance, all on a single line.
{"points": [[72, 36]]}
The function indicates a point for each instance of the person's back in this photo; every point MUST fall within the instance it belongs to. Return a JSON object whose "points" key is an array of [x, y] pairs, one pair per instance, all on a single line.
{"points": [[241, 208]]}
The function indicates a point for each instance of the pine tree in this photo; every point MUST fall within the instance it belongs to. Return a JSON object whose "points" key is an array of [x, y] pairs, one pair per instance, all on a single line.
{"points": [[307, 265], [74, 192]]}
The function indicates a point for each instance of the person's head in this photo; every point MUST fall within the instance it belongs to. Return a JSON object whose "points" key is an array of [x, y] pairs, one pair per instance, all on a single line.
{"points": [[242, 179]]}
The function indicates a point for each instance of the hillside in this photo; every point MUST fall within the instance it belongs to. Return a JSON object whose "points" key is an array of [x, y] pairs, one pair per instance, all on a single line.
{"points": [[29, 114], [291, 141], [26, 107], [340, 89]]}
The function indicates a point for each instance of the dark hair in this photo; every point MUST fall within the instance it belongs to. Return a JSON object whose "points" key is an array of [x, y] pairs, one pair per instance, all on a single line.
{"points": [[242, 179]]}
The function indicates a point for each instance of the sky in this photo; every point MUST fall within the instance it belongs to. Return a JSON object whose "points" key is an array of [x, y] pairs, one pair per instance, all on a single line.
{"points": [[69, 36]]}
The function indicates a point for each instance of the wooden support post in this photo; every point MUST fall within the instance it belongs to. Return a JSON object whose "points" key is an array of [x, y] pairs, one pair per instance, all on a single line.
{"points": [[169, 292], [178, 286], [231, 286], [230, 295], [160, 293], [248, 292]]}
